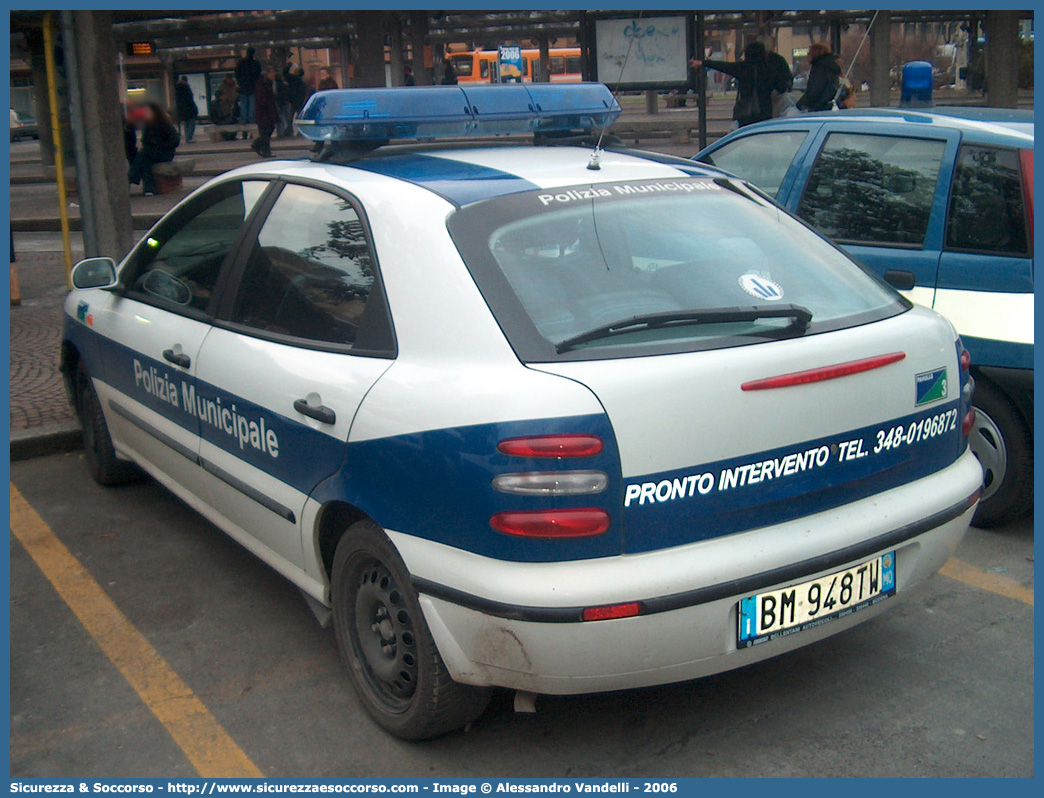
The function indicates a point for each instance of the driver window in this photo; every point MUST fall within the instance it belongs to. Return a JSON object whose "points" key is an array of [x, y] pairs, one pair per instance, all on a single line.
{"points": [[178, 263]]}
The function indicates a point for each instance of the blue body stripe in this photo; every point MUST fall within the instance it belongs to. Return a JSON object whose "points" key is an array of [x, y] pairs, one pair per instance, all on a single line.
{"points": [[436, 484], [650, 526], [1003, 354], [459, 182], [305, 456], [971, 271]]}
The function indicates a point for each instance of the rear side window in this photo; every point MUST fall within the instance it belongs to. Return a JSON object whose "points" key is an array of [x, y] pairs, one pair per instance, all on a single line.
{"points": [[178, 263], [557, 264], [311, 274], [987, 208], [873, 189], [761, 159]]}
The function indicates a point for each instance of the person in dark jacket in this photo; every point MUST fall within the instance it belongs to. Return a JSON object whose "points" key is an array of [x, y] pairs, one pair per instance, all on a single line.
{"points": [[188, 111], [159, 143], [296, 88], [248, 71], [267, 113], [326, 80], [824, 78], [449, 75], [756, 79]]}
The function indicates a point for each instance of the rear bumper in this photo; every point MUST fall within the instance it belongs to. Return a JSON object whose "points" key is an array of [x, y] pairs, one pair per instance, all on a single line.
{"points": [[518, 625]]}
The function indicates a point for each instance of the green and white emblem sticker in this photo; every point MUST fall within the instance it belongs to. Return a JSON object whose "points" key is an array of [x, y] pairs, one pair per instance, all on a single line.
{"points": [[931, 386]]}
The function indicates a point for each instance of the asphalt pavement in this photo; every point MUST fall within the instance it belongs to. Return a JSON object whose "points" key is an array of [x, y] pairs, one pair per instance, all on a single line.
{"points": [[126, 605]]}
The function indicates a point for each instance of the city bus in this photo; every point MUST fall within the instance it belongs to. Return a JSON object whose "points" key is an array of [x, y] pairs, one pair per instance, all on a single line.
{"points": [[480, 66]]}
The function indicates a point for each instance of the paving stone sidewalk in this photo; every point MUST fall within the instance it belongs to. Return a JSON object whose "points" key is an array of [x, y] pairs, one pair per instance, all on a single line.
{"points": [[37, 394]]}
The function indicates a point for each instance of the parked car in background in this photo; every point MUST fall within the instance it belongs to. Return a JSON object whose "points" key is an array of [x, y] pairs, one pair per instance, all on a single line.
{"points": [[25, 129], [939, 202]]}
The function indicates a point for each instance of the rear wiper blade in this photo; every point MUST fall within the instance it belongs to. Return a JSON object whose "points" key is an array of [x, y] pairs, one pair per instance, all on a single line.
{"points": [[801, 317]]}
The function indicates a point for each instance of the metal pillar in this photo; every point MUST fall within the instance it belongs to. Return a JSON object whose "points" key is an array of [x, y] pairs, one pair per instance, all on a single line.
{"points": [[835, 36], [701, 81], [542, 74], [56, 130], [369, 49], [652, 101], [1002, 59], [396, 63], [418, 35], [37, 63], [881, 59], [101, 164]]}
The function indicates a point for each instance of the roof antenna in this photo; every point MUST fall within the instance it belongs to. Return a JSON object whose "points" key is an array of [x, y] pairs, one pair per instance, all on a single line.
{"points": [[594, 164]]}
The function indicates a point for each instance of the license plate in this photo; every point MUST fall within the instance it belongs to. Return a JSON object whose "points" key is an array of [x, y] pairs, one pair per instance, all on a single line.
{"points": [[777, 613]]}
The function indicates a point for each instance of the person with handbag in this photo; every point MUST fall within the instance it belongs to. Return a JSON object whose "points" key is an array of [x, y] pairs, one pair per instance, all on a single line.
{"points": [[824, 78], [756, 80]]}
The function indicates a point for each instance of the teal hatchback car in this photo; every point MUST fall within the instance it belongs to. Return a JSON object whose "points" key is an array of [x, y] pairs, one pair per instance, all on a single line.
{"points": [[939, 202]]}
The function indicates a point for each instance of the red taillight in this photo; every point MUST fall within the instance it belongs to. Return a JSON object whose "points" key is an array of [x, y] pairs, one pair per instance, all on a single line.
{"points": [[968, 423], [552, 446], [965, 360], [628, 610], [824, 373], [575, 522]]}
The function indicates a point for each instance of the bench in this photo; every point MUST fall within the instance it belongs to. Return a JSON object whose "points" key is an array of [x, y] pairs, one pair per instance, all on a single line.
{"points": [[169, 175], [229, 132]]}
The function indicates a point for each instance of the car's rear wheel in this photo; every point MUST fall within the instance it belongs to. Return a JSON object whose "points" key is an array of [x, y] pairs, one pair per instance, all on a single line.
{"points": [[381, 632], [1002, 441], [105, 467]]}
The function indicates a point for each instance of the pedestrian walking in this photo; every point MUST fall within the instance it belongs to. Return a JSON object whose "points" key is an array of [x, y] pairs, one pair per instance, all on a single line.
{"points": [[824, 79], [159, 143], [407, 78], [188, 111], [449, 75], [266, 114], [756, 80], [248, 71], [326, 80]]}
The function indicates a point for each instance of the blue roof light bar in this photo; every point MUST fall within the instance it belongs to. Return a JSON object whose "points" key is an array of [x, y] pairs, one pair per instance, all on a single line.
{"points": [[455, 111]]}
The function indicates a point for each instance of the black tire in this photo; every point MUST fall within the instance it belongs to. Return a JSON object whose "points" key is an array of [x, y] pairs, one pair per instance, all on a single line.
{"points": [[1003, 442], [105, 467], [382, 635]]}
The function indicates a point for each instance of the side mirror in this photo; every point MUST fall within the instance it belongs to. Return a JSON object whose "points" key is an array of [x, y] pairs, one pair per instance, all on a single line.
{"points": [[94, 273], [900, 279]]}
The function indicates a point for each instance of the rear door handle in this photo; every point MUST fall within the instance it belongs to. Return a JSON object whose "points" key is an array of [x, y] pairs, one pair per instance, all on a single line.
{"points": [[177, 358], [319, 412]]}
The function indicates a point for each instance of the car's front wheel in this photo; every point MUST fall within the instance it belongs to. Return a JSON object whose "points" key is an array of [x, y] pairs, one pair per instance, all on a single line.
{"points": [[105, 467], [1002, 441], [382, 635]]}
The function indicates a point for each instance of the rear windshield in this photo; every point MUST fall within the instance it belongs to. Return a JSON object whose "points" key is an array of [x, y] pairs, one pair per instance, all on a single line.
{"points": [[565, 263]]}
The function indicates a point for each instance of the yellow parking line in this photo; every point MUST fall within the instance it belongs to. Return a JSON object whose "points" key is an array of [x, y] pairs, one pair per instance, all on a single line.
{"points": [[994, 583], [197, 732]]}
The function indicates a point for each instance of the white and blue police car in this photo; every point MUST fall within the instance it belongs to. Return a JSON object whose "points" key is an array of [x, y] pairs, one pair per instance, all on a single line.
{"points": [[550, 418]]}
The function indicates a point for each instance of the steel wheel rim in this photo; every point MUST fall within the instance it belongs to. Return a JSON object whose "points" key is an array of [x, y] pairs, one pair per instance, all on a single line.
{"points": [[382, 638], [987, 444]]}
